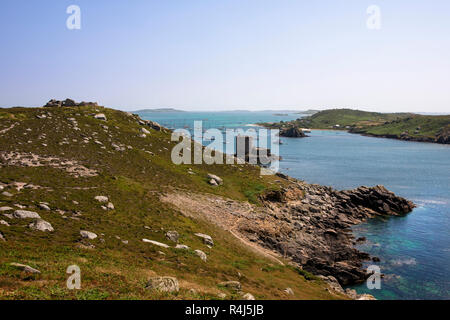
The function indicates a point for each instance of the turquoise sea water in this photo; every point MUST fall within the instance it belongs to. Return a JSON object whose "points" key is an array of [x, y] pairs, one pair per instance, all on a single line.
{"points": [[414, 250]]}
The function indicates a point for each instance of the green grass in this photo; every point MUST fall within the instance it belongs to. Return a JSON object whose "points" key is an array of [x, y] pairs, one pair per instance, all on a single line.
{"points": [[134, 181], [394, 125]]}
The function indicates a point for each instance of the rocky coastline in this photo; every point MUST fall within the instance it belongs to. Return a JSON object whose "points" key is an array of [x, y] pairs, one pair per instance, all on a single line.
{"points": [[308, 225], [317, 220], [442, 137]]}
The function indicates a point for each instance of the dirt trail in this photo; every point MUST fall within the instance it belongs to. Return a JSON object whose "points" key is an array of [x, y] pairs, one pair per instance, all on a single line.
{"points": [[225, 213]]}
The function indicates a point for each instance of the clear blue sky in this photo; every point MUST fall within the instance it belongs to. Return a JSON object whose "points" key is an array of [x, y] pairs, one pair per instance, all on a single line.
{"points": [[228, 54]]}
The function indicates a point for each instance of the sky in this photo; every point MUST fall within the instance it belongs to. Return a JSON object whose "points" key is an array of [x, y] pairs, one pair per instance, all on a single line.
{"points": [[213, 55]]}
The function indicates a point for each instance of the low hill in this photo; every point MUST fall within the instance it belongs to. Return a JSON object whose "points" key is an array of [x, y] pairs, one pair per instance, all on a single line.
{"points": [[405, 126]]}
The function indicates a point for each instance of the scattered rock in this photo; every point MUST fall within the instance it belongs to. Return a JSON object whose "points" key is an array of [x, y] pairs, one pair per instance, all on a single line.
{"points": [[156, 243], [44, 206], [172, 236], [201, 254], [41, 225], [7, 194], [2, 209], [248, 296], [163, 284], [233, 285], [2, 237], [182, 247], [25, 268], [145, 131], [23, 214], [289, 291], [88, 235], [100, 116], [213, 182], [217, 179], [101, 199], [206, 239], [110, 206], [3, 222], [222, 295]]}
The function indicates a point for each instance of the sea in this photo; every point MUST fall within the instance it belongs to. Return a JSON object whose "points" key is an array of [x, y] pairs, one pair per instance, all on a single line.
{"points": [[415, 249]]}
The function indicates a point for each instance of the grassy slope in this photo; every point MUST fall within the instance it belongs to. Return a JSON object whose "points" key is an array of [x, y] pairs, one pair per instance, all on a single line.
{"points": [[379, 124], [133, 180]]}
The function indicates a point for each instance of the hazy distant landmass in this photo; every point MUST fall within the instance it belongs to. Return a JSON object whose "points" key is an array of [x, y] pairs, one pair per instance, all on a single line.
{"points": [[160, 110]]}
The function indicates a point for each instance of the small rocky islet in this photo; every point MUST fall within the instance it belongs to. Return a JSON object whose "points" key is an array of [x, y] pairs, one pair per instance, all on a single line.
{"points": [[83, 177]]}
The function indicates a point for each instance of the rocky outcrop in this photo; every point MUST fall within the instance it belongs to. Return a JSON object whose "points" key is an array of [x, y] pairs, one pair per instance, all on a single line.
{"points": [[314, 229], [292, 132], [53, 103]]}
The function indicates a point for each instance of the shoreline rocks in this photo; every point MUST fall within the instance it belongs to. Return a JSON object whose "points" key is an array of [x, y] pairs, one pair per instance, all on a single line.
{"points": [[292, 132]]}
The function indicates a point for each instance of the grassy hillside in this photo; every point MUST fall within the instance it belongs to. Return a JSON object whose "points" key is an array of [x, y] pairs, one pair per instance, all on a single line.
{"points": [[133, 172], [406, 126]]}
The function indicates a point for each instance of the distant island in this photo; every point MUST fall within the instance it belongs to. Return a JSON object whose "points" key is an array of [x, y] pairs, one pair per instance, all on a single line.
{"points": [[160, 110], [403, 126]]}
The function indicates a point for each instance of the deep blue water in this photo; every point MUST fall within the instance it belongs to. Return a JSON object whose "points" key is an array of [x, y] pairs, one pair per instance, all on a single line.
{"points": [[414, 250]]}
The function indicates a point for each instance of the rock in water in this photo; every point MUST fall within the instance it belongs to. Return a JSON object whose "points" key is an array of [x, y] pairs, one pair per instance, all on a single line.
{"points": [[163, 284], [292, 132], [23, 214], [41, 225]]}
